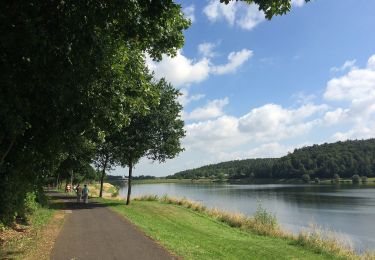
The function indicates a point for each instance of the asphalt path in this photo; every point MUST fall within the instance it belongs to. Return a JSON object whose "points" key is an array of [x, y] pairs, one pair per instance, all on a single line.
{"points": [[92, 231]]}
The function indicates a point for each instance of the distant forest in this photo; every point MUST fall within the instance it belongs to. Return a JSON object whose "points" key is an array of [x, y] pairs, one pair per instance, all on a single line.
{"points": [[318, 161]]}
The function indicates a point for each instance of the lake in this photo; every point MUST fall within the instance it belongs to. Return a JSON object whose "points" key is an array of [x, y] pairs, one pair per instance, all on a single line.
{"points": [[348, 210]]}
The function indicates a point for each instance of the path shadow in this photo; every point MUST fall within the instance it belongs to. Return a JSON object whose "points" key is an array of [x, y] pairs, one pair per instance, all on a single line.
{"points": [[68, 202]]}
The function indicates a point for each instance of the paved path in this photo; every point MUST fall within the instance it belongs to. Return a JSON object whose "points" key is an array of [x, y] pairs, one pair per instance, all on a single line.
{"points": [[92, 231]]}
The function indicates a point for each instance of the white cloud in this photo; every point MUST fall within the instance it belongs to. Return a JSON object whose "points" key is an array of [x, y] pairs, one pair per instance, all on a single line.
{"points": [[189, 13], [235, 60], [267, 150], [181, 71], [216, 11], [273, 122], [206, 49], [357, 84], [251, 18], [268, 123], [357, 88], [349, 64], [212, 109], [185, 98], [245, 16], [298, 3], [336, 116]]}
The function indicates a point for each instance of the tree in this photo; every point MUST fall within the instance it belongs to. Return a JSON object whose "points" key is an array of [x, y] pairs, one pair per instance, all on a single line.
{"points": [[65, 74], [104, 160], [155, 135]]}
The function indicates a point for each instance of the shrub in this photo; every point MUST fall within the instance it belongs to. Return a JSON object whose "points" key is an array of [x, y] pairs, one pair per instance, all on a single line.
{"points": [[356, 179], [115, 191], [264, 217], [336, 178], [30, 205], [317, 180], [364, 179], [306, 178]]}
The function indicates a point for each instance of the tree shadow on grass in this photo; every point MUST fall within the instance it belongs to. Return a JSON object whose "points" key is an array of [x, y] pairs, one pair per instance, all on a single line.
{"points": [[11, 254], [68, 202]]}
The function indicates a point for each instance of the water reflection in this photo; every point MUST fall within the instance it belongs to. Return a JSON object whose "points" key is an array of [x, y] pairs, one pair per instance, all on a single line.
{"points": [[347, 209]]}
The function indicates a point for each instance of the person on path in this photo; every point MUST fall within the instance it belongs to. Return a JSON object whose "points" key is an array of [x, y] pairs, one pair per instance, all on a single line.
{"points": [[78, 190], [85, 194]]}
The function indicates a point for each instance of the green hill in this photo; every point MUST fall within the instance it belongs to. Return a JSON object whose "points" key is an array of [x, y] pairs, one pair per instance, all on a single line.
{"points": [[318, 161]]}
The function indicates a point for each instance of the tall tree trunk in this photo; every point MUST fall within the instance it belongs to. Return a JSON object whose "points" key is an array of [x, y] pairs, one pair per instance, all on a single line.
{"points": [[102, 177], [58, 180], [71, 179], [8, 150], [129, 183]]}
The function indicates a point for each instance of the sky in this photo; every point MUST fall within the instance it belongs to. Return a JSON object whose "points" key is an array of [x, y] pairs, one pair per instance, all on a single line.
{"points": [[254, 88]]}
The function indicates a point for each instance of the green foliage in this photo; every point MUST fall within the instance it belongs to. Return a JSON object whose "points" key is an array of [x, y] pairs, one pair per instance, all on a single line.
{"points": [[306, 178], [265, 218], [317, 180], [336, 178], [329, 161], [269, 7], [72, 72], [31, 204], [356, 179], [364, 179]]}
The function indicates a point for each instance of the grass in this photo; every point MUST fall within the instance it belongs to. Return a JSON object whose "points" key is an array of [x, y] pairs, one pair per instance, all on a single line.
{"points": [[34, 239], [189, 230]]}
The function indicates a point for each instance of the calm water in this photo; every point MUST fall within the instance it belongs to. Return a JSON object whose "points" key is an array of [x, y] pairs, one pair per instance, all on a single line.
{"points": [[348, 210]]}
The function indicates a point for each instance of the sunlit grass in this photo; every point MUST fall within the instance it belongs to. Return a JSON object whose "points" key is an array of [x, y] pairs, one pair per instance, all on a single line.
{"points": [[265, 223]]}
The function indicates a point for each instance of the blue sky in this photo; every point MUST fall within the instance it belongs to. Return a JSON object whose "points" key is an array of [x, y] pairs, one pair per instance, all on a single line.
{"points": [[257, 88]]}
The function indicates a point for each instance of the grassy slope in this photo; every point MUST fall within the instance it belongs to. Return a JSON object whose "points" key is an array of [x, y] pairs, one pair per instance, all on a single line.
{"points": [[192, 235], [34, 239]]}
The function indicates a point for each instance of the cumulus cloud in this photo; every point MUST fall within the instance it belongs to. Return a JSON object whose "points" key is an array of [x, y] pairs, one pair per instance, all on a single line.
{"points": [[235, 59], [216, 11], [298, 3], [189, 13], [206, 49], [185, 98], [182, 71], [212, 109], [356, 84], [245, 16], [268, 123], [357, 89], [267, 150], [275, 122], [349, 64], [251, 18]]}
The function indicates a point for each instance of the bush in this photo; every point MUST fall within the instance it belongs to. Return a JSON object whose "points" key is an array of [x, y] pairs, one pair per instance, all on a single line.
{"points": [[356, 179], [265, 218], [115, 191], [306, 178], [336, 178], [364, 179], [317, 180]]}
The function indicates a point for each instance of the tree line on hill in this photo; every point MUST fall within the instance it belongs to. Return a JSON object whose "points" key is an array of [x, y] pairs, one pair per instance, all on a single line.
{"points": [[75, 91], [343, 159]]}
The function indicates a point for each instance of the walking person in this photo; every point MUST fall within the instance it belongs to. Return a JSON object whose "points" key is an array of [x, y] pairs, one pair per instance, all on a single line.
{"points": [[85, 194], [78, 190]]}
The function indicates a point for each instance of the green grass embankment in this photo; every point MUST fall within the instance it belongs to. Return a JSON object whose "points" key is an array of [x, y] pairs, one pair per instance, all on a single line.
{"points": [[192, 234]]}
